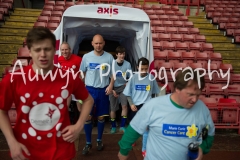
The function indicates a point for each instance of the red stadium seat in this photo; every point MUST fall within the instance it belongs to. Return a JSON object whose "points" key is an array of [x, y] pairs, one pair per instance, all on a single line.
{"points": [[43, 19], [225, 67], [55, 19], [153, 17], [195, 65], [163, 17], [174, 57], [156, 23], [209, 102], [188, 37], [79, 3], [40, 24], [6, 5], [156, 45], [167, 66], [167, 23], [60, 3], [47, 7], [166, 7], [69, 4], [59, 8], [57, 13], [208, 79], [188, 24], [164, 37], [160, 55], [215, 89], [23, 52], [174, 8], [50, 3], [173, 18], [46, 13], [231, 26], [180, 65], [215, 58], [158, 62], [177, 24], [182, 46], [156, 7], [200, 38], [195, 46], [171, 30], [183, 18], [153, 29], [160, 29], [168, 45], [236, 32], [52, 26], [159, 12], [201, 56], [183, 30], [139, 6], [150, 12], [147, 7], [178, 13], [235, 78], [155, 36], [169, 12], [237, 98], [212, 66], [188, 57], [207, 47], [193, 31]]}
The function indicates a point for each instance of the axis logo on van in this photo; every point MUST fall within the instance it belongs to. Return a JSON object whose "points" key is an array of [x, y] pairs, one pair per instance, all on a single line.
{"points": [[110, 10]]}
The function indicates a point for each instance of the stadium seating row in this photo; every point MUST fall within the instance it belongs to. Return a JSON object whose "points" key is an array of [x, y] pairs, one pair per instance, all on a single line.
{"points": [[176, 64], [217, 6], [175, 30], [49, 19], [222, 14], [6, 4], [194, 56], [51, 25], [178, 37], [210, 2], [189, 46], [168, 23]]}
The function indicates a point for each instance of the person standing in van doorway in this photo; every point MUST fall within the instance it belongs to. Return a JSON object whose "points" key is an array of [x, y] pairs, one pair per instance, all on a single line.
{"points": [[120, 66], [72, 62], [97, 66]]}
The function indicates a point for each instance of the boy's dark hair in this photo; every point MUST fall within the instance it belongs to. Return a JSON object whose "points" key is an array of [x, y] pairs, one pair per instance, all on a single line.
{"points": [[39, 34], [120, 49], [180, 82], [144, 61]]}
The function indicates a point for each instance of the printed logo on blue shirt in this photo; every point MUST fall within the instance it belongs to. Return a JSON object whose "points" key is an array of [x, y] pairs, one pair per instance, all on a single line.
{"points": [[180, 130], [119, 74], [142, 87], [94, 65]]}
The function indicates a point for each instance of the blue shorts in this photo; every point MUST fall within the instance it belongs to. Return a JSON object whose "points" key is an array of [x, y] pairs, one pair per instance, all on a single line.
{"points": [[101, 101]]}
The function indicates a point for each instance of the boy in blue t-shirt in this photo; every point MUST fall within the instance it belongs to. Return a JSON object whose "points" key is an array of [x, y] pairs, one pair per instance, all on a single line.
{"points": [[141, 88], [120, 66]]}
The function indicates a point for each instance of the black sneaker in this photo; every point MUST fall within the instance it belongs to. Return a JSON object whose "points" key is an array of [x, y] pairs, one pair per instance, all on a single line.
{"points": [[86, 149], [99, 145]]}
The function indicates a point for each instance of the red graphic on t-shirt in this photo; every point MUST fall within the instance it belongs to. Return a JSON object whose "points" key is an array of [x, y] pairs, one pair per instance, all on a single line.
{"points": [[50, 112]]}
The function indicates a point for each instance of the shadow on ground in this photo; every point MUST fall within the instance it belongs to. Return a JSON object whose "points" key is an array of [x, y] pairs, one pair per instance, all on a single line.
{"points": [[226, 147]]}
